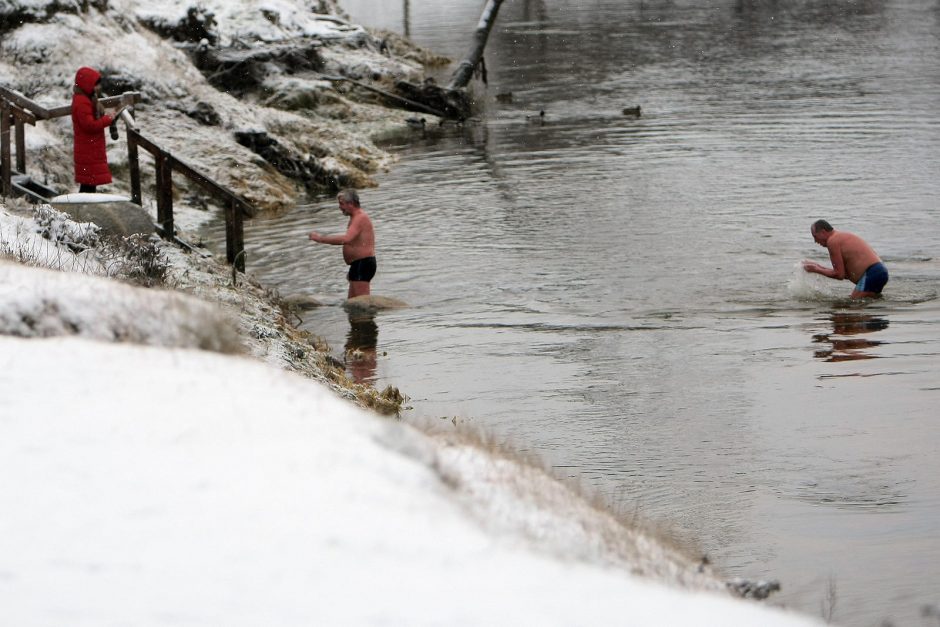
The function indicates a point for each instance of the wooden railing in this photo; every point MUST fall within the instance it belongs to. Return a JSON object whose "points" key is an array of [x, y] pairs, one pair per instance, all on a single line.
{"points": [[17, 111], [235, 207]]}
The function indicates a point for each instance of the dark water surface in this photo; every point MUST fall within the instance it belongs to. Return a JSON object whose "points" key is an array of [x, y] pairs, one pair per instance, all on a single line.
{"points": [[622, 296]]}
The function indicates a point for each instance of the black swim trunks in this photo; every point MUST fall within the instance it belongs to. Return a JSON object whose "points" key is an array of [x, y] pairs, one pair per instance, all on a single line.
{"points": [[362, 269]]}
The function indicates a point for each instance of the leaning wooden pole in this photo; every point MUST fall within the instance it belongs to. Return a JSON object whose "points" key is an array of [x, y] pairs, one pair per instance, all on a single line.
{"points": [[464, 71]]}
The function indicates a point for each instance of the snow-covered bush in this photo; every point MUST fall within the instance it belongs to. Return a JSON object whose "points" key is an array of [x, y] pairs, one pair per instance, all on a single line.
{"points": [[58, 227]]}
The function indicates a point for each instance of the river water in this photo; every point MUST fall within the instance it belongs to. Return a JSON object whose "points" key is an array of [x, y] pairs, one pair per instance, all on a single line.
{"points": [[621, 295]]}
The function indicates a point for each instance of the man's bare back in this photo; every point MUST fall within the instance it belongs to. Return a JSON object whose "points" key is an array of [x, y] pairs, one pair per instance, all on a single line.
{"points": [[855, 253]]}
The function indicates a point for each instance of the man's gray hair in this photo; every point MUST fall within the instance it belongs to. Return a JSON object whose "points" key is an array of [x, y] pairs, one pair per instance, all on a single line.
{"points": [[821, 225], [348, 195]]}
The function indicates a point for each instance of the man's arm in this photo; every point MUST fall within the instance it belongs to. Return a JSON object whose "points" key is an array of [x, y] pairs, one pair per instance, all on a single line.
{"points": [[837, 271], [355, 227], [838, 262]]}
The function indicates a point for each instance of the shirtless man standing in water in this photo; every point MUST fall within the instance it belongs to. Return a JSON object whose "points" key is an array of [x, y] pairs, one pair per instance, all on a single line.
{"points": [[358, 243], [852, 258]]}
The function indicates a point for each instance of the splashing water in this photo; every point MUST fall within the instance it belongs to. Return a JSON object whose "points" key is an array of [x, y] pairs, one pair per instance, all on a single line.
{"points": [[808, 286]]}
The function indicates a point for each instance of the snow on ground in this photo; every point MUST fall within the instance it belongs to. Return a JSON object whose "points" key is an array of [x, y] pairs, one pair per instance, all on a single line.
{"points": [[170, 486], [268, 20], [149, 483], [43, 302], [35, 302]]}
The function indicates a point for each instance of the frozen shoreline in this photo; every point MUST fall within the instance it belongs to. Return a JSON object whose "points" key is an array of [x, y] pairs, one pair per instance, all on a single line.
{"points": [[241, 483]]}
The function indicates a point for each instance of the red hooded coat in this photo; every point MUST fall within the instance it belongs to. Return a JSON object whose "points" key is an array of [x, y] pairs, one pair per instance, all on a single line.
{"points": [[91, 158]]}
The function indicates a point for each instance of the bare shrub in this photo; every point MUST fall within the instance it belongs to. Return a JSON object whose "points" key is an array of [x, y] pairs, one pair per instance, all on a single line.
{"points": [[136, 259], [19, 251]]}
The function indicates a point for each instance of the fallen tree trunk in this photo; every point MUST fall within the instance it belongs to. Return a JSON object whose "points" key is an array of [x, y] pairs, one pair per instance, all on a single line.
{"points": [[447, 103], [406, 103], [464, 71], [453, 101]]}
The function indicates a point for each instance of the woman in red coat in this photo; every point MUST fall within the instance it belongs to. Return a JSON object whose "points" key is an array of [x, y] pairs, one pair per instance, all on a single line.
{"points": [[88, 123]]}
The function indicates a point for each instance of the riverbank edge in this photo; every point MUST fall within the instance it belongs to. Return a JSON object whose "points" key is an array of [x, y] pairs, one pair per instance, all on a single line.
{"points": [[265, 323]]}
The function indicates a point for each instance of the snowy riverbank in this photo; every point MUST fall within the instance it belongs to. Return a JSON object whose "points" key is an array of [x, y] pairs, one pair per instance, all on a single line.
{"points": [[180, 454]]}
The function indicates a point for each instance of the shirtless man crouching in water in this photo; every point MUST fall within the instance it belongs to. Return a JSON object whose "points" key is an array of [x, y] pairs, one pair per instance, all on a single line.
{"points": [[358, 243], [852, 258]]}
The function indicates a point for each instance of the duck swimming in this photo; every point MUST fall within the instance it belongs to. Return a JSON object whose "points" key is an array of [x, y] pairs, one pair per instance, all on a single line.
{"points": [[540, 118]]}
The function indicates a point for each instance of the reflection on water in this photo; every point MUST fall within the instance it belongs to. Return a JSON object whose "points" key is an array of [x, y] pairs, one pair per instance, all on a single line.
{"points": [[360, 349], [850, 348]]}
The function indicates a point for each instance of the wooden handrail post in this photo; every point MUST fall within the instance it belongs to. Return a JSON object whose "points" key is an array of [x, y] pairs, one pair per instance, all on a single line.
{"points": [[230, 232], [133, 163], [235, 235], [6, 168], [20, 145], [164, 194]]}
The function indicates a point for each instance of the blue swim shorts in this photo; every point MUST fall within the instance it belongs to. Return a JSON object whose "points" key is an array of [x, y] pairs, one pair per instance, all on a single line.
{"points": [[874, 279]]}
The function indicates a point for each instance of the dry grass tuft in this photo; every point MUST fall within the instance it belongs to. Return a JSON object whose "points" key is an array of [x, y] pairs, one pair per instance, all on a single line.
{"points": [[509, 489]]}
